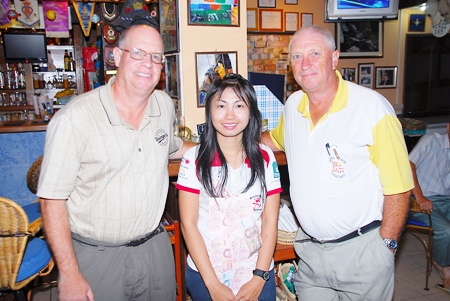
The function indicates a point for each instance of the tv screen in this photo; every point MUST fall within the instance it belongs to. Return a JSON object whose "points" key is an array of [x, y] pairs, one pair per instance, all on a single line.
{"points": [[339, 10], [20, 47]]}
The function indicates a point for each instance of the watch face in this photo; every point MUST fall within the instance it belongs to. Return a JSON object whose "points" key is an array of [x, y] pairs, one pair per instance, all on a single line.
{"points": [[391, 243], [263, 274]]}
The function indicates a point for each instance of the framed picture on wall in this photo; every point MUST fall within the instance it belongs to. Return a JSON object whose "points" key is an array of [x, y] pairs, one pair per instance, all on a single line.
{"points": [[291, 22], [417, 22], [267, 3], [205, 13], [271, 20], [366, 76], [252, 19], [359, 39], [210, 66], [349, 74], [386, 77], [307, 19], [172, 75], [290, 1], [168, 20]]}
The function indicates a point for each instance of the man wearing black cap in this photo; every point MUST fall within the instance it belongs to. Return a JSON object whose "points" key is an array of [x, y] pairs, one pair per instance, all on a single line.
{"points": [[104, 181]]}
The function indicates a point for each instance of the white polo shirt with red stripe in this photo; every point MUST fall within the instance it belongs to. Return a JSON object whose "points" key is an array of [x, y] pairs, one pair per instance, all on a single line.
{"points": [[236, 183]]}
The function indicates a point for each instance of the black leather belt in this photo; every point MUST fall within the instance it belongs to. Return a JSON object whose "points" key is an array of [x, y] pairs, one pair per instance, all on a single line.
{"points": [[131, 243], [363, 230]]}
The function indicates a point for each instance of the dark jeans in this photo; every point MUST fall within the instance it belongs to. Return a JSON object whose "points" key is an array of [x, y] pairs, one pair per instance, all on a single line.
{"points": [[199, 292]]}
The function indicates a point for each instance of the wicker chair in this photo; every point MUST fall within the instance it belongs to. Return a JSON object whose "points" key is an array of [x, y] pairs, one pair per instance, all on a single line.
{"points": [[418, 228], [22, 256]]}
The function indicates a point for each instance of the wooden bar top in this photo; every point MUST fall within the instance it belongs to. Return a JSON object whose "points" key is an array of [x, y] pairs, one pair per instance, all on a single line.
{"points": [[174, 165], [21, 126]]}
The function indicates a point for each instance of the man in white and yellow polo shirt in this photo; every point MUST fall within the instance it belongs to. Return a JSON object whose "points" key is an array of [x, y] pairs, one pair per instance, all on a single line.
{"points": [[349, 173]]}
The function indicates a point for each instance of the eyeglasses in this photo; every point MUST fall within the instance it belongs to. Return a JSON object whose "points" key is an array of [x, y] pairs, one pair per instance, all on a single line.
{"points": [[139, 54]]}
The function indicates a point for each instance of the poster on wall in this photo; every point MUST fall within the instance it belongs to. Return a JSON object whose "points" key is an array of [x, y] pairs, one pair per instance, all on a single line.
{"points": [[211, 66], [169, 25], [172, 75], [213, 13], [360, 39]]}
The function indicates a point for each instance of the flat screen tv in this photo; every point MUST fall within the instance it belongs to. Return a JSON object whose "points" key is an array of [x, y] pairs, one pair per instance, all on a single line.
{"points": [[21, 47], [346, 10]]}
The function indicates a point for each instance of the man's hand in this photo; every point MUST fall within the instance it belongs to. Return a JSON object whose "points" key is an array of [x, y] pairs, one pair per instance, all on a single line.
{"points": [[425, 204], [74, 287]]}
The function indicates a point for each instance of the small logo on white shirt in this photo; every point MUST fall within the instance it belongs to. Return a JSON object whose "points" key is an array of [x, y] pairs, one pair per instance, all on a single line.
{"points": [[161, 137]]}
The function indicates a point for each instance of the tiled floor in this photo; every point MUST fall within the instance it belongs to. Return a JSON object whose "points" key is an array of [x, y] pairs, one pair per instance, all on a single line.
{"points": [[409, 280]]}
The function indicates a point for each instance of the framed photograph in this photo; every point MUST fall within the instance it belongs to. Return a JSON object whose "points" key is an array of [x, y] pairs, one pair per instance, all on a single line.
{"points": [[271, 20], [349, 74], [386, 77], [210, 66], [307, 19], [203, 12], [172, 75], [168, 20], [290, 22], [417, 22], [267, 3], [360, 39], [290, 1], [366, 77], [252, 19]]}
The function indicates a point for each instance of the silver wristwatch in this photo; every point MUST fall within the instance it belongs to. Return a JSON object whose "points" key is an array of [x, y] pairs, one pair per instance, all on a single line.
{"points": [[391, 243]]}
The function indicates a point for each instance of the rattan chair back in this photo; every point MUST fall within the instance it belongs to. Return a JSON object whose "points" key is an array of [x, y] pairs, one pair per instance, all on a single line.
{"points": [[13, 239], [33, 174]]}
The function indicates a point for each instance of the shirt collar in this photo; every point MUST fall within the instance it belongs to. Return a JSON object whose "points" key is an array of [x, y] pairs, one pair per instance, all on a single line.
{"points": [[106, 98]]}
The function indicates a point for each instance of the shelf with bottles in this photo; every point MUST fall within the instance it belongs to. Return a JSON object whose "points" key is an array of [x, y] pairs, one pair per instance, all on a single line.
{"points": [[12, 77], [16, 108], [57, 80], [59, 58]]}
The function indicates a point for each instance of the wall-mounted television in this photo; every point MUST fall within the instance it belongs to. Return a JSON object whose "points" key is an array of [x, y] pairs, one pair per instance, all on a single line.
{"points": [[353, 10], [24, 47]]}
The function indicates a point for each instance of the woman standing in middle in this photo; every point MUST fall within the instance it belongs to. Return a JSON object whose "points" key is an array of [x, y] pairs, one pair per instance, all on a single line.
{"points": [[229, 199]]}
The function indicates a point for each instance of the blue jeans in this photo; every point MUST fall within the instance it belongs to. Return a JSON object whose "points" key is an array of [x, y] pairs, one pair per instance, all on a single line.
{"points": [[199, 292]]}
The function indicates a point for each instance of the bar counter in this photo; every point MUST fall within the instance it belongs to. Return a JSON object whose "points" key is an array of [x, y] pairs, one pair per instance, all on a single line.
{"points": [[22, 126]]}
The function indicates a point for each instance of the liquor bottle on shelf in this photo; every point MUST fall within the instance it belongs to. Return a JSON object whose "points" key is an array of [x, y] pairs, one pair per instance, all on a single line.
{"points": [[9, 79], [15, 77], [2, 78], [66, 61], [21, 71], [72, 62]]}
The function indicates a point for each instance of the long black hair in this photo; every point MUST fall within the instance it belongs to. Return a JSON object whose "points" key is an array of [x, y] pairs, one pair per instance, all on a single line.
{"points": [[209, 145]]}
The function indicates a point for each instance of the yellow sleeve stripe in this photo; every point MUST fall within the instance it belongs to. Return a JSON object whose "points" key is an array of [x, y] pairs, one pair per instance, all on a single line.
{"points": [[277, 134], [390, 155]]}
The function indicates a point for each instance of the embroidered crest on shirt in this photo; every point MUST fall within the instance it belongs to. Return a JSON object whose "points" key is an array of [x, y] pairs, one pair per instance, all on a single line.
{"points": [[337, 162], [162, 137]]}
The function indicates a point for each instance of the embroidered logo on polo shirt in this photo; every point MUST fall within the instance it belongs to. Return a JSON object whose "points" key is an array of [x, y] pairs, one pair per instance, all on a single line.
{"points": [[161, 137], [337, 162]]}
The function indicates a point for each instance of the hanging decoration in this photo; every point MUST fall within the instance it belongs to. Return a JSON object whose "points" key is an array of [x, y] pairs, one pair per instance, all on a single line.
{"points": [[84, 11], [59, 26], [109, 11], [27, 11], [12, 14], [134, 12], [110, 34], [4, 8]]}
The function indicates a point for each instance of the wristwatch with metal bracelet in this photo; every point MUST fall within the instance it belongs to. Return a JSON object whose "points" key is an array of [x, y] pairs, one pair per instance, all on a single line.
{"points": [[391, 243]]}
